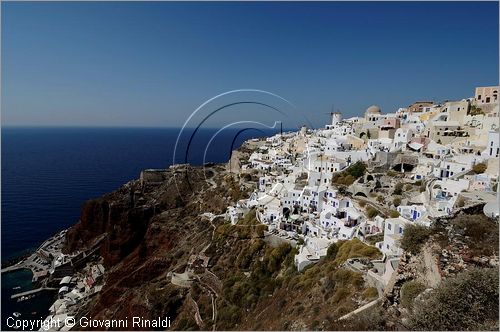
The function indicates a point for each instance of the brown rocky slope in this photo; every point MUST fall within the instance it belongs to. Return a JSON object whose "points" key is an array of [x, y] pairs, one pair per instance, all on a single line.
{"points": [[165, 258], [155, 232]]}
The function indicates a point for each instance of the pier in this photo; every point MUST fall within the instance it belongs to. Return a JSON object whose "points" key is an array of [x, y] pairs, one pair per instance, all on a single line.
{"points": [[33, 291], [14, 267], [38, 270]]}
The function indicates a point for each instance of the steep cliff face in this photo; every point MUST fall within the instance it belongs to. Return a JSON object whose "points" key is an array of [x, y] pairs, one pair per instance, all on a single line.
{"points": [[156, 235], [123, 224], [166, 257], [125, 216], [149, 229]]}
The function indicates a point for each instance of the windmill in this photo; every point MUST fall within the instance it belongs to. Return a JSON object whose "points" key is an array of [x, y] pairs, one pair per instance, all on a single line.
{"points": [[335, 116]]}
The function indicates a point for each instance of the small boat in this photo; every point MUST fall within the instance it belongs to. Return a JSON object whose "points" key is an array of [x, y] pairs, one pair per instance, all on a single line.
{"points": [[16, 314], [17, 287]]}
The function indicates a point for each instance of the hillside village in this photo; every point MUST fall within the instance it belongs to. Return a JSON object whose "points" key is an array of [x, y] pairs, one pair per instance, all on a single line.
{"points": [[370, 177], [366, 179]]}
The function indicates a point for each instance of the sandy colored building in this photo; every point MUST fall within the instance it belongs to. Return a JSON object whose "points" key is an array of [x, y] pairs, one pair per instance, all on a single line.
{"points": [[486, 95], [457, 110], [356, 143], [420, 106]]}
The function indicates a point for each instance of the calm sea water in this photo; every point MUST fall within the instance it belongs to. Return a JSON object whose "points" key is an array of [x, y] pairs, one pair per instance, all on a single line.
{"points": [[47, 173]]}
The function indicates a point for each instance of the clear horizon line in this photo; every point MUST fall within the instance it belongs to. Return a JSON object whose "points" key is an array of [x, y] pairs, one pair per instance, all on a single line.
{"points": [[114, 127]]}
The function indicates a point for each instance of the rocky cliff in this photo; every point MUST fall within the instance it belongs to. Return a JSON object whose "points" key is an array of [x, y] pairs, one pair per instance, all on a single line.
{"points": [[169, 252]]}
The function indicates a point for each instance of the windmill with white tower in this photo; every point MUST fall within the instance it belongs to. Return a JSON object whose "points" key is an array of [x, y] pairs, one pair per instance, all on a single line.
{"points": [[336, 117]]}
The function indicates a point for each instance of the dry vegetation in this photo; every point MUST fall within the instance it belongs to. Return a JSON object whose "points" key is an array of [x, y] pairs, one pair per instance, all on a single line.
{"points": [[468, 301], [263, 280], [348, 176]]}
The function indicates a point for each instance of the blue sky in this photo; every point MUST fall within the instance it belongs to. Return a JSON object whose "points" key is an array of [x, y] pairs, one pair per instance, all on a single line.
{"points": [[152, 64]]}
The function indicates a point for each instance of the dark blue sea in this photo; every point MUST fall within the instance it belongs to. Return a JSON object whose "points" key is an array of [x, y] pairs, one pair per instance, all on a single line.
{"points": [[47, 173]]}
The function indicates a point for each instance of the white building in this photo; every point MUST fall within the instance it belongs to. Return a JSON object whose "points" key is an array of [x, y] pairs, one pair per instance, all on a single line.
{"points": [[393, 232], [402, 136], [313, 250], [412, 212], [492, 149]]}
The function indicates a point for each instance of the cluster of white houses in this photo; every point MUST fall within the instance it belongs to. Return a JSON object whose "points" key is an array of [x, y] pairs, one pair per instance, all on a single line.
{"points": [[437, 145]]}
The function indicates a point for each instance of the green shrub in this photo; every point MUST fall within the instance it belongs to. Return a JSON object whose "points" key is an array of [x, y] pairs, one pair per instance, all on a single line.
{"points": [[277, 256], [414, 237], [409, 291], [370, 293], [371, 212], [253, 230], [340, 294], [349, 175], [460, 202], [344, 278], [343, 179], [479, 168], [355, 248], [396, 201], [344, 309], [398, 189], [357, 169], [464, 302], [481, 233], [393, 214], [372, 239], [331, 253], [474, 110], [229, 314], [392, 173]]}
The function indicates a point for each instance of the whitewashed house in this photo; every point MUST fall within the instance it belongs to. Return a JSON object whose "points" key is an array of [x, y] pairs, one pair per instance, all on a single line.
{"points": [[402, 137], [492, 149], [312, 251], [412, 212], [393, 232]]}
